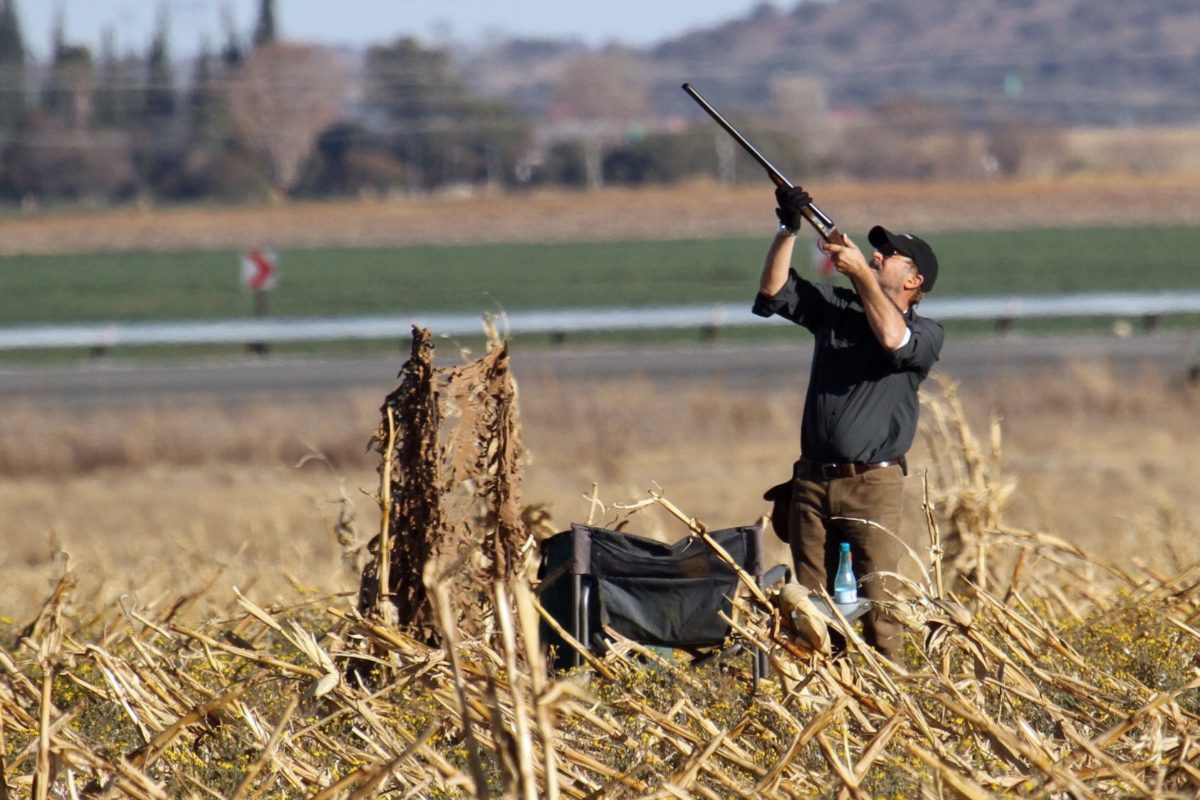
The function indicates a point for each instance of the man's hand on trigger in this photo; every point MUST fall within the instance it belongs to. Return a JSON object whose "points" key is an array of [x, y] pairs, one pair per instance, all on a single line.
{"points": [[792, 201], [848, 259]]}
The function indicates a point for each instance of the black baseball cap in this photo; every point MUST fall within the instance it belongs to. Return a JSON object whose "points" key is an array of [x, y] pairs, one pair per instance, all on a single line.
{"points": [[912, 247]]}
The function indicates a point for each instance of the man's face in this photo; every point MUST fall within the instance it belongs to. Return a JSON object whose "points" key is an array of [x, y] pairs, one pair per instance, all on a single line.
{"points": [[894, 269]]}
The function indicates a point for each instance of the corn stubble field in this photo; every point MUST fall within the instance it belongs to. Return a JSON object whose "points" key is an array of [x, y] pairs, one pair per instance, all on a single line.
{"points": [[180, 585]]}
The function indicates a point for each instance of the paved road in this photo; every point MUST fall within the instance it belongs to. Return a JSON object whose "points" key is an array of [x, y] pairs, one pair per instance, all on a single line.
{"points": [[967, 360]]}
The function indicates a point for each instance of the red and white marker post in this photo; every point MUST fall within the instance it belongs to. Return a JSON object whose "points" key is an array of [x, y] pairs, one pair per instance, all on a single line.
{"points": [[260, 273]]}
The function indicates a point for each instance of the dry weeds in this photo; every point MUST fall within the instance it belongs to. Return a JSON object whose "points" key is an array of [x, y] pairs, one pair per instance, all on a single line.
{"points": [[1039, 671], [161, 498]]}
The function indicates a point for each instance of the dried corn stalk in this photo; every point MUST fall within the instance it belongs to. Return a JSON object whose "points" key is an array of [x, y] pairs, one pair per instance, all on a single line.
{"points": [[450, 448], [969, 491], [1077, 681]]}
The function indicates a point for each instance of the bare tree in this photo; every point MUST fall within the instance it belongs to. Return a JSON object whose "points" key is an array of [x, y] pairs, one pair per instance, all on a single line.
{"points": [[282, 99]]}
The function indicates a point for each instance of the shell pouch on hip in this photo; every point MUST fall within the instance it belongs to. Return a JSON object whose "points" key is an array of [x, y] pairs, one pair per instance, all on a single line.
{"points": [[780, 498]]}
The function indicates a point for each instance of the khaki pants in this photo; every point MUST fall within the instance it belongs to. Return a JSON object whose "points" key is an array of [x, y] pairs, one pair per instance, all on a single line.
{"points": [[826, 512]]}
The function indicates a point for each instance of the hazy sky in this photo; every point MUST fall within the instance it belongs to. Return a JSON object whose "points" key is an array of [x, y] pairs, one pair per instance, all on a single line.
{"points": [[356, 22]]}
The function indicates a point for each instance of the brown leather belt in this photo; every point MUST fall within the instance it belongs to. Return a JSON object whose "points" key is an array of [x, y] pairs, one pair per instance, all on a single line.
{"points": [[808, 468]]}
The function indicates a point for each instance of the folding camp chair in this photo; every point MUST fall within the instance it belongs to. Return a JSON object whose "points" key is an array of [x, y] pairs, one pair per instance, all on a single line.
{"points": [[667, 595]]}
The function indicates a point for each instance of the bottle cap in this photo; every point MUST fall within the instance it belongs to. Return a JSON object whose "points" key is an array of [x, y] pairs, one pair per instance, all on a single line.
{"points": [[844, 547]]}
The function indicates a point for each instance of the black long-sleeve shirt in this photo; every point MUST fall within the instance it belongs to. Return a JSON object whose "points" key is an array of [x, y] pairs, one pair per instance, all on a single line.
{"points": [[862, 401]]}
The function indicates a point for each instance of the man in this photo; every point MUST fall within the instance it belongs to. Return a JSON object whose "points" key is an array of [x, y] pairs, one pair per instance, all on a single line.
{"points": [[871, 353]]}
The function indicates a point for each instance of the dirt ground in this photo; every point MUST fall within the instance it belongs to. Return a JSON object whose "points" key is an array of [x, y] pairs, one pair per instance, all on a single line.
{"points": [[699, 210], [204, 498]]}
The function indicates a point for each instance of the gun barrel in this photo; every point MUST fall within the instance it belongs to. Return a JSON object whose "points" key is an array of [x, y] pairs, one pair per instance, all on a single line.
{"points": [[776, 176], [823, 224]]}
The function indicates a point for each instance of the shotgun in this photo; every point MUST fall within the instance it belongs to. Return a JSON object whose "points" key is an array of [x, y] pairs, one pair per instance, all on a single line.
{"points": [[823, 224]]}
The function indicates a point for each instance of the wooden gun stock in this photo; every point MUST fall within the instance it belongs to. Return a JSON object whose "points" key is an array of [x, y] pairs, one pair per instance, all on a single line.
{"points": [[822, 223]]}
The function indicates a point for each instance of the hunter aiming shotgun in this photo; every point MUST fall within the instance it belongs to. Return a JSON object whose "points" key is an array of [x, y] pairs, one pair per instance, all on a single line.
{"points": [[871, 351], [823, 224]]}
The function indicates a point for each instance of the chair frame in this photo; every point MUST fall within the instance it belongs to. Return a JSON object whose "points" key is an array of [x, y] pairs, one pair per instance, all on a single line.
{"points": [[583, 579]]}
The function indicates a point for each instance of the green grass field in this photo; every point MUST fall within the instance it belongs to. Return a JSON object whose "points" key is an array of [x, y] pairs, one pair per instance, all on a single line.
{"points": [[205, 285]]}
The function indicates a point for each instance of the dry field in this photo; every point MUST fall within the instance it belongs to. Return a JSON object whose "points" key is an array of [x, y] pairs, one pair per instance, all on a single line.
{"points": [[1068, 669], [151, 499], [699, 210], [149, 496]]}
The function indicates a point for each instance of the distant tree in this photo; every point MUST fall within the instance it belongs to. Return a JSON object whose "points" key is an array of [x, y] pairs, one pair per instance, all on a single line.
{"points": [[79, 144], [50, 98], [159, 146], [216, 164], [416, 90], [57, 161], [232, 53], [228, 174], [352, 160], [563, 165], [12, 70], [72, 82], [159, 102], [439, 130], [264, 29], [204, 104], [118, 88], [664, 157], [282, 99]]}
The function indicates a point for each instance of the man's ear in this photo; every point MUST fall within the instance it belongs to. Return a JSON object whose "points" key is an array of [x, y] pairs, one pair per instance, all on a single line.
{"points": [[914, 280]]}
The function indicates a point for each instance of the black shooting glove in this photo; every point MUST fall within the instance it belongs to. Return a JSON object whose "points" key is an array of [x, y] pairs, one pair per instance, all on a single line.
{"points": [[791, 201]]}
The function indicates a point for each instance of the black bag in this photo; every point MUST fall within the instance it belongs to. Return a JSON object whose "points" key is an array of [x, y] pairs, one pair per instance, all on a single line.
{"points": [[649, 591], [780, 498]]}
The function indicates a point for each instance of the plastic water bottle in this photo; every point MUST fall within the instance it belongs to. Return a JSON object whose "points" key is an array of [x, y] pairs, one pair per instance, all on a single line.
{"points": [[845, 585]]}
